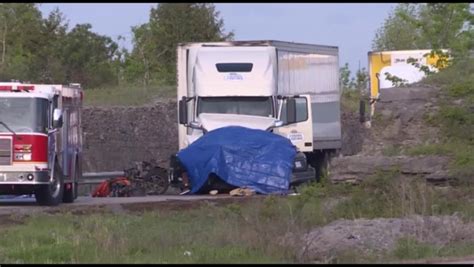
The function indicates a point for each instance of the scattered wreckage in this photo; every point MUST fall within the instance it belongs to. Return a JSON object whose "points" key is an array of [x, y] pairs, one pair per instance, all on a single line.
{"points": [[143, 179]]}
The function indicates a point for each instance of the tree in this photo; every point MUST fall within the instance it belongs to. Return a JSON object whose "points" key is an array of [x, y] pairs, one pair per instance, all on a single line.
{"points": [[155, 42], [49, 60], [362, 79], [398, 33], [345, 80], [88, 57], [20, 26], [42, 50], [428, 26], [137, 64], [359, 82]]}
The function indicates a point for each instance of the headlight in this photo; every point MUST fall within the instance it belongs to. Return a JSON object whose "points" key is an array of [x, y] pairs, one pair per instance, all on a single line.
{"points": [[298, 164], [22, 156]]}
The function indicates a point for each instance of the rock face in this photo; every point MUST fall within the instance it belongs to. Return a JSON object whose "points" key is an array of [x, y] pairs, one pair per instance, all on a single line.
{"points": [[398, 124], [380, 235], [399, 120], [116, 137], [352, 133], [355, 168]]}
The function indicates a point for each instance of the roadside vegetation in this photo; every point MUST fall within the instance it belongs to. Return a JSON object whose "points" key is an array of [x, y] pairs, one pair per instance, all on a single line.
{"points": [[249, 232], [440, 26], [455, 118], [128, 95]]}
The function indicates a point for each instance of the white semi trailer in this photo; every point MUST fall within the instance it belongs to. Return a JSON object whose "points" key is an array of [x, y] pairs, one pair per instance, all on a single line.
{"points": [[291, 89]]}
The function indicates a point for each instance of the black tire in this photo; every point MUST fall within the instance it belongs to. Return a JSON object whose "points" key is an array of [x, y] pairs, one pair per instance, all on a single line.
{"points": [[158, 178], [51, 194], [71, 194]]}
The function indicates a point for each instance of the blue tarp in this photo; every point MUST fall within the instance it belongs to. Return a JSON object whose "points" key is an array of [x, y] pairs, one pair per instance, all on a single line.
{"points": [[242, 157]]}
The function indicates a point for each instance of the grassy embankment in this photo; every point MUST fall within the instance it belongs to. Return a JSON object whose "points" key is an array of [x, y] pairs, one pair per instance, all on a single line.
{"points": [[455, 119], [235, 233], [126, 95]]}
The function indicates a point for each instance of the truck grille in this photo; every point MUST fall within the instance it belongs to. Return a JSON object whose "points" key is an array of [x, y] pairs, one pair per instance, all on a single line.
{"points": [[5, 151]]}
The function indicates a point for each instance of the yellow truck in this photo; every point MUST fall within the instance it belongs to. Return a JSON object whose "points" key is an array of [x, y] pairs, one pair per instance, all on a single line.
{"points": [[394, 68]]}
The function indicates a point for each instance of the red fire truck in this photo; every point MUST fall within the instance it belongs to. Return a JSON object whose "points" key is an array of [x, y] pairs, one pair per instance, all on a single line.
{"points": [[40, 141]]}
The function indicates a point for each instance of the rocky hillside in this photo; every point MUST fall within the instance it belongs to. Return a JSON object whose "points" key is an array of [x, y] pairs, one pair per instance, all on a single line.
{"points": [[399, 125], [115, 137]]}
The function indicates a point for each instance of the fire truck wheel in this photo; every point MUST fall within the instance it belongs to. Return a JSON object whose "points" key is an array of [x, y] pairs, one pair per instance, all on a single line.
{"points": [[52, 194], [70, 194]]}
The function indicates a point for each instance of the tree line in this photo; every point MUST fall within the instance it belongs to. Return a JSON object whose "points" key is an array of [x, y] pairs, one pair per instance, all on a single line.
{"points": [[47, 50], [409, 26]]}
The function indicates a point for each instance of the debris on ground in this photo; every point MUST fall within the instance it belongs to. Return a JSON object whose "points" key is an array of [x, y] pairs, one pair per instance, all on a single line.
{"points": [[242, 192], [141, 180], [115, 187]]}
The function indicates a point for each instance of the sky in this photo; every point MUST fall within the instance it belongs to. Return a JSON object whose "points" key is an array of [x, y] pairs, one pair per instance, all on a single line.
{"points": [[351, 27]]}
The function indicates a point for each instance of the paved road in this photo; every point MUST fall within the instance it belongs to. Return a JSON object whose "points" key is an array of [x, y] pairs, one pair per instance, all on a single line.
{"points": [[28, 205]]}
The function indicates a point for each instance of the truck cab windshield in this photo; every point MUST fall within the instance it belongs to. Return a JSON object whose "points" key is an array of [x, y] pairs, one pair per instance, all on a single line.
{"points": [[256, 106], [24, 115]]}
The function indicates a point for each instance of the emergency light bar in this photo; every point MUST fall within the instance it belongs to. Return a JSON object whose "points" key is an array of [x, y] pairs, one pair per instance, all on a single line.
{"points": [[17, 88]]}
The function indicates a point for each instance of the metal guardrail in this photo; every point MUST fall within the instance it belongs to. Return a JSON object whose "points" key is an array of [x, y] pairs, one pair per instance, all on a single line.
{"points": [[99, 177]]}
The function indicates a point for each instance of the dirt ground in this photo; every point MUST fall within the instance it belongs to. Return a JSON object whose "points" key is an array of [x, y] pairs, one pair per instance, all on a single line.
{"points": [[381, 235], [10, 210]]}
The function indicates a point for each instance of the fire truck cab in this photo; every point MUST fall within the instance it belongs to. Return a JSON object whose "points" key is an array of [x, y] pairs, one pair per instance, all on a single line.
{"points": [[41, 141]]}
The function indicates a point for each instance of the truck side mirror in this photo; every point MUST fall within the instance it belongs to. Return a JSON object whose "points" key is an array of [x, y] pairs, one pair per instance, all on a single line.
{"points": [[57, 118], [290, 110], [183, 111]]}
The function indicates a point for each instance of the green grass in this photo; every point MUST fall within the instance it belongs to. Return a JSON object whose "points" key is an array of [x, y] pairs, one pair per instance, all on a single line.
{"points": [[392, 150], [132, 95], [147, 238], [411, 249], [461, 72], [350, 100], [461, 153], [235, 233], [430, 149]]}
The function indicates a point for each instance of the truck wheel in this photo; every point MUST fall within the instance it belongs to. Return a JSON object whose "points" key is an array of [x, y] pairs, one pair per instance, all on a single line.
{"points": [[71, 194], [157, 180], [51, 194]]}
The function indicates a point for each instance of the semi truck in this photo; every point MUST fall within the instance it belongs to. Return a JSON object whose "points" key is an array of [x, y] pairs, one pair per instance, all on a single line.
{"points": [[291, 89], [40, 141]]}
